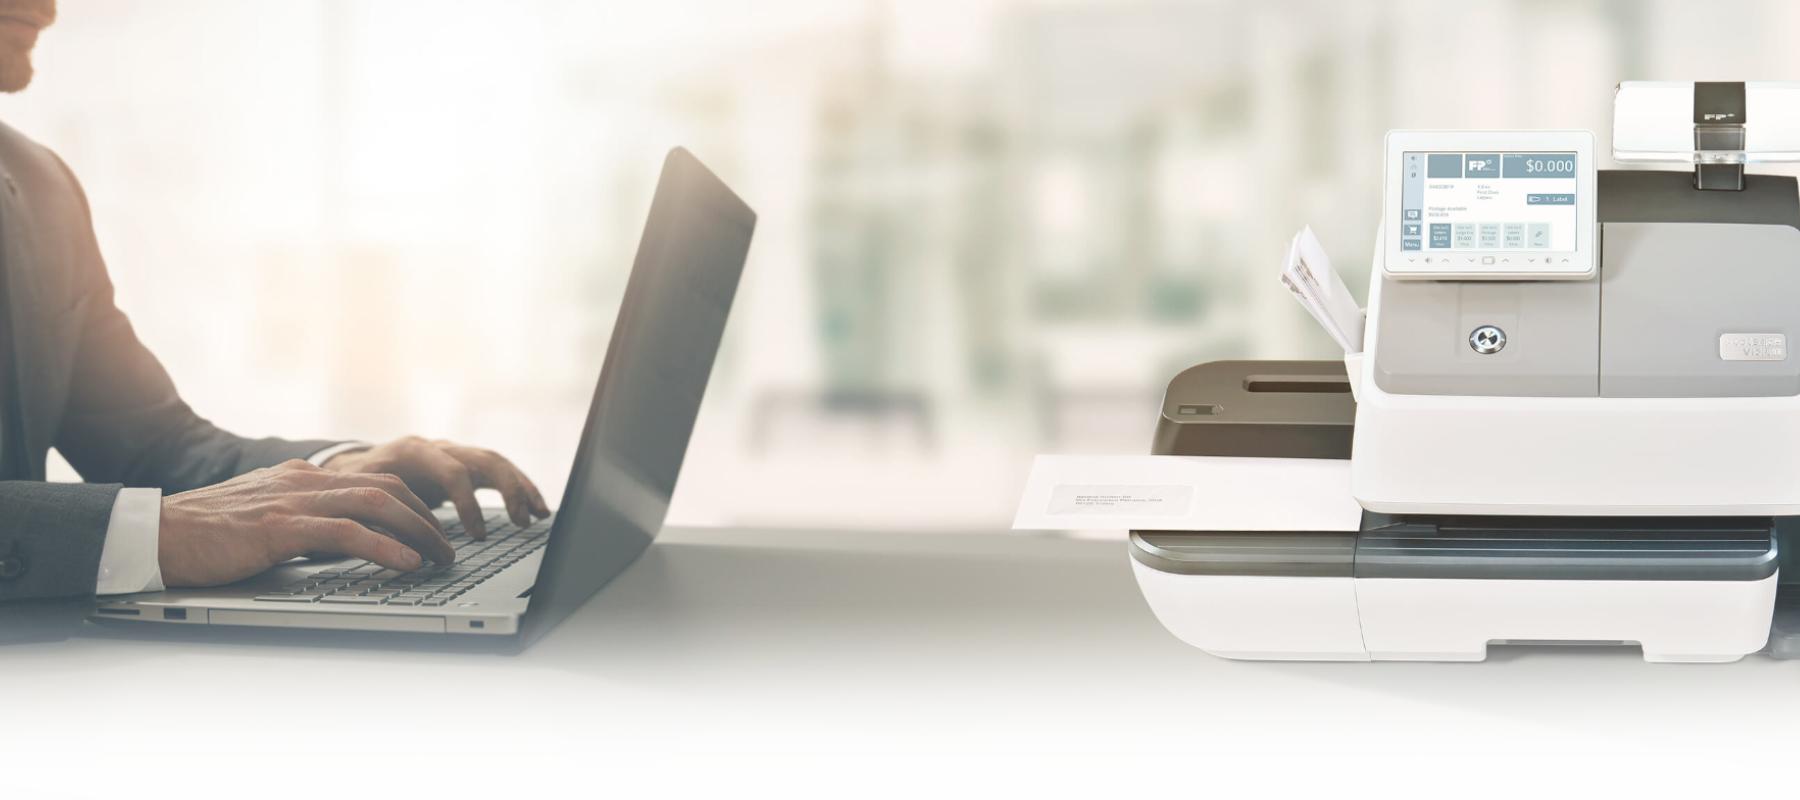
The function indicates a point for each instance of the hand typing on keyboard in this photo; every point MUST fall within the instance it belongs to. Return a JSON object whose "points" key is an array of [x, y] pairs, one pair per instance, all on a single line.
{"points": [[438, 471], [430, 586], [232, 530]]}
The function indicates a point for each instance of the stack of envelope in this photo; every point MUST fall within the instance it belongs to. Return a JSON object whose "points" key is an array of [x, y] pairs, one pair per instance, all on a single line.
{"points": [[1308, 274]]}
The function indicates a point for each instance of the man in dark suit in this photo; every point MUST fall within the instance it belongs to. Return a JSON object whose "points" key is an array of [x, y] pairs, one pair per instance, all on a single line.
{"points": [[169, 498]]}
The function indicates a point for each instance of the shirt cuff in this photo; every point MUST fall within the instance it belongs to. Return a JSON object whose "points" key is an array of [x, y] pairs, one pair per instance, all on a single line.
{"points": [[318, 459], [129, 557]]}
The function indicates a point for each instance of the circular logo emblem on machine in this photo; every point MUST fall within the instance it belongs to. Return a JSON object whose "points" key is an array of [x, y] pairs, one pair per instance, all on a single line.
{"points": [[1487, 340]]}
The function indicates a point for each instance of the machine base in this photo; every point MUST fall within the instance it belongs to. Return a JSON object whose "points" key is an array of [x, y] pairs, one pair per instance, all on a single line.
{"points": [[1259, 617]]}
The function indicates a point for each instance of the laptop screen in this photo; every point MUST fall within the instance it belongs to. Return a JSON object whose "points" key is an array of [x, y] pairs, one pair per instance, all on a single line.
{"points": [[668, 331]]}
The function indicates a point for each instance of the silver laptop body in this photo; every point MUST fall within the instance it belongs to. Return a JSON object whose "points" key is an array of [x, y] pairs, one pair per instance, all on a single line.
{"points": [[521, 582]]}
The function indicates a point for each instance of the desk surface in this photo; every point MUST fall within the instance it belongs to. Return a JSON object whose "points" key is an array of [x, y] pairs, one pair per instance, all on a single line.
{"points": [[771, 646]]}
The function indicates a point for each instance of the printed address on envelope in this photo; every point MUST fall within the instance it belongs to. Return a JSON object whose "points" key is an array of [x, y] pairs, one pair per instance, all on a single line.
{"points": [[1145, 501]]}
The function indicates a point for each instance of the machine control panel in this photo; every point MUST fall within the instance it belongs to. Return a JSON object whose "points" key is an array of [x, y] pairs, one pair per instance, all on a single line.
{"points": [[1489, 205]]}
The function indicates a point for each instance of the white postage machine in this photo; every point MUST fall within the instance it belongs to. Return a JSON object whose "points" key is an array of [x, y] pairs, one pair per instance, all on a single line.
{"points": [[1573, 418]]}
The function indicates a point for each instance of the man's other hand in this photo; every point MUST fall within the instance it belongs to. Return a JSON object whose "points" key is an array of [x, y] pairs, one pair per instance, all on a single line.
{"points": [[437, 471], [236, 529]]}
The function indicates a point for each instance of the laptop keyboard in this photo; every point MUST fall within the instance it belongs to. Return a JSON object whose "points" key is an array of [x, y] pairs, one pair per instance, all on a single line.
{"points": [[370, 584]]}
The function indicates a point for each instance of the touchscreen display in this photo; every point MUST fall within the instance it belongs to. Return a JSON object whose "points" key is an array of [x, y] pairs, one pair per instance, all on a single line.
{"points": [[1489, 202]]}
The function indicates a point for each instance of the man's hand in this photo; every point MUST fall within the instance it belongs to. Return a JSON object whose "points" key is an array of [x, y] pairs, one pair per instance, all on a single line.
{"points": [[236, 529], [437, 471]]}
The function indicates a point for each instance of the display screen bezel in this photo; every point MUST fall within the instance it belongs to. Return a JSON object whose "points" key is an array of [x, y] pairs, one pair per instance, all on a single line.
{"points": [[1573, 264]]}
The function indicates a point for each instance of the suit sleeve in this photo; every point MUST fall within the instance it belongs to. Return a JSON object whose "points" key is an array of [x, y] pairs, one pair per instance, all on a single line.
{"points": [[123, 421], [50, 540], [51, 535]]}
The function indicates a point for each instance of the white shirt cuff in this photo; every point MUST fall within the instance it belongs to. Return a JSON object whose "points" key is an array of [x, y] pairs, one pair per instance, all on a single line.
{"points": [[318, 459], [129, 557]]}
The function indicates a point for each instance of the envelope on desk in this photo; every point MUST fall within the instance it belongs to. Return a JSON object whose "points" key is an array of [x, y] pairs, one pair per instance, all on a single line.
{"points": [[1188, 493]]}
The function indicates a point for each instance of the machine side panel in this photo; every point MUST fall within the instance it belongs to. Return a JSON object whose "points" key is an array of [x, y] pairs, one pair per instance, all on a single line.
{"points": [[1681, 301], [1552, 338]]}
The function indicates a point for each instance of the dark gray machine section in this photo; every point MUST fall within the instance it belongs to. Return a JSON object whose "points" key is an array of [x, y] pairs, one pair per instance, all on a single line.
{"points": [[1679, 267], [1273, 409], [1784, 629], [1663, 196], [1295, 411], [1567, 548], [1313, 555]]}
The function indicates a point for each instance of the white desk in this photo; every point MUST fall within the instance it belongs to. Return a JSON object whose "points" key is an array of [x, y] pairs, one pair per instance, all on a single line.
{"points": [[878, 658]]}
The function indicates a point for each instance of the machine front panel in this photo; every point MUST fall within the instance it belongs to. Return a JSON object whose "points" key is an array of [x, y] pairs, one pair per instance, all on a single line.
{"points": [[1551, 333]]}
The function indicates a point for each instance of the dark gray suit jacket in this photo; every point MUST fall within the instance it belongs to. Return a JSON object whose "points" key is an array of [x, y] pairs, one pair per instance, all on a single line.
{"points": [[75, 377]]}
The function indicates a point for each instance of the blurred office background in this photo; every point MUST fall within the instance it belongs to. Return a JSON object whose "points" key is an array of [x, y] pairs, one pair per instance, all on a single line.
{"points": [[989, 229]]}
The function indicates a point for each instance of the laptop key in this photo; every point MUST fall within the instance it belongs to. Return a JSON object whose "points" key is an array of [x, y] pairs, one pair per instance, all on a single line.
{"points": [[286, 598], [339, 598]]}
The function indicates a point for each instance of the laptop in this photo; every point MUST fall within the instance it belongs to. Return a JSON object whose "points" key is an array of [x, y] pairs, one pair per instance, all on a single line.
{"points": [[520, 582]]}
